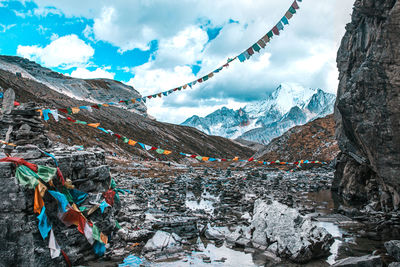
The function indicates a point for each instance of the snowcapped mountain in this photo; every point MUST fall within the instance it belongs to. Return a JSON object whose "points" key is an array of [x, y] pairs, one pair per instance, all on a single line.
{"points": [[93, 90], [289, 105]]}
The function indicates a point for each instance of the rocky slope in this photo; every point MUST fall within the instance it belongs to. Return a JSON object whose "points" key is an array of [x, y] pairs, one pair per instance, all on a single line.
{"points": [[367, 110], [313, 141], [93, 90], [289, 105], [122, 121]]}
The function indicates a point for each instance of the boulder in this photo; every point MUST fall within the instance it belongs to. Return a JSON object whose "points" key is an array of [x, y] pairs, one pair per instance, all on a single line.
{"points": [[393, 248], [163, 241], [288, 233], [363, 261]]}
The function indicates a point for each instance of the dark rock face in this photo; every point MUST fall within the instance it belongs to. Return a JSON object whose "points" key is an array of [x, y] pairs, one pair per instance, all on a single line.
{"points": [[367, 109], [393, 249]]}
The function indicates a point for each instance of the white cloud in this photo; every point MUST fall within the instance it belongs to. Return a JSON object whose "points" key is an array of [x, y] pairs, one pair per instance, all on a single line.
{"points": [[44, 11], [4, 28], [97, 73], [65, 52], [304, 53]]}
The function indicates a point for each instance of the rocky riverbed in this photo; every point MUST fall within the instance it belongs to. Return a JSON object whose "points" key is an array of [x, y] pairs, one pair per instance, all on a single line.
{"points": [[181, 215]]}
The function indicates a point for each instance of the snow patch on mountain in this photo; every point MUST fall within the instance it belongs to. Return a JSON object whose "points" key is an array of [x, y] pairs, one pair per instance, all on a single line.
{"points": [[287, 106]]}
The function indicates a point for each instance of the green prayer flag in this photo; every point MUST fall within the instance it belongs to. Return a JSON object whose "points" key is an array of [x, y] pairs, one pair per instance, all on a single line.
{"points": [[69, 110], [96, 233], [270, 34], [113, 184], [199, 157], [67, 195], [292, 10], [82, 209], [116, 197], [205, 78], [46, 173], [80, 122], [160, 151], [117, 225], [125, 140], [26, 176], [256, 47]]}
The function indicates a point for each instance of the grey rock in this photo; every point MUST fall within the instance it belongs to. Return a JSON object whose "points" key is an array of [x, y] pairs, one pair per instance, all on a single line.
{"points": [[394, 264], [164, 241], [295, 236], [363, 261], [393, 248], [367, 109]]}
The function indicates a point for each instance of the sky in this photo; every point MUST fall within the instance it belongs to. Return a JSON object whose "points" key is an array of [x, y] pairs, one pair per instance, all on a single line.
{"points": [[156, 45]]}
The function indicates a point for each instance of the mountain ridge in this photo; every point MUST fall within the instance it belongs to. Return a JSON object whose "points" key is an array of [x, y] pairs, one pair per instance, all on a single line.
{"points": [[288, 106]]}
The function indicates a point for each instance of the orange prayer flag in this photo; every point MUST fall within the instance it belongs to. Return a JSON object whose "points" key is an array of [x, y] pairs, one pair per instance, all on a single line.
{"points": [[260, 162], [103, 238], [236, 159], [167, 152], [95, 125], [185, 86], [133, 101], [210, 75], [105, 105], [205, 158], [131, 142], [75, 110], [38, 199]]}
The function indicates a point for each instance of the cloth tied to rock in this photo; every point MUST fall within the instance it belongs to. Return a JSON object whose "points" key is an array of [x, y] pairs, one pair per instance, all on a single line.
{"points": [[38, 199], [53, 246], [44, 227], [109, 196]]}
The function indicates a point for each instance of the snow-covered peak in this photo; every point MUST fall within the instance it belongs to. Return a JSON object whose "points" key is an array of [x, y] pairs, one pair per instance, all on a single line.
{"points": [[288, 105], [281, 100]]}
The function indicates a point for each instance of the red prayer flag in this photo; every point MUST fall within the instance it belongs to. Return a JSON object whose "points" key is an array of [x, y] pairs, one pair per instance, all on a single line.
{"points": [[16, 103], [117, 135], [250, 51], [109, 196], [66, 258], [193, 156], [64, 110], [72, 120], [223, 159], [251, 159], [95, 106], [60, 176], [153, 148], [275, 30], [20, 161], [295, 5], [200, 80]]}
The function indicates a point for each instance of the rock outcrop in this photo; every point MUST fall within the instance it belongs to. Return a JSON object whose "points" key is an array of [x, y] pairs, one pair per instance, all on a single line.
{"points": [[21, 243], [287, 233], [367, 109]]}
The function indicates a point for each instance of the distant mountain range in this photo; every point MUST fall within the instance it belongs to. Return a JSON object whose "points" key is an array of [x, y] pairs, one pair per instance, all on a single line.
{"points": [[289, 105]]}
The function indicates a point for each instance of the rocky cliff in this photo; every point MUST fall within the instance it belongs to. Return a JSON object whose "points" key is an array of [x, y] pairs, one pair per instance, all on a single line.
{"points": [[367, 109]]}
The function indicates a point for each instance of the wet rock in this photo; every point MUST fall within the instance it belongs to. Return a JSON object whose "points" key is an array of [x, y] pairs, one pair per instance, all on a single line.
{"points": [[363, 261], [163, 245], [296, 237], [393, 248], [394, 264], [216, 233]]}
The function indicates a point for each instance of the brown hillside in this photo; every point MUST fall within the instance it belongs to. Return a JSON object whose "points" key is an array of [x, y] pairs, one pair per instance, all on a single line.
{"points": [[312, 141]]}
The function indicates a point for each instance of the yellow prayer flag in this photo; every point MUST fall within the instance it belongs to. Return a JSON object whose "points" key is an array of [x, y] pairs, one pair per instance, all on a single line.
{"points": [[75, 110], [131, 142], [95, 125]]}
